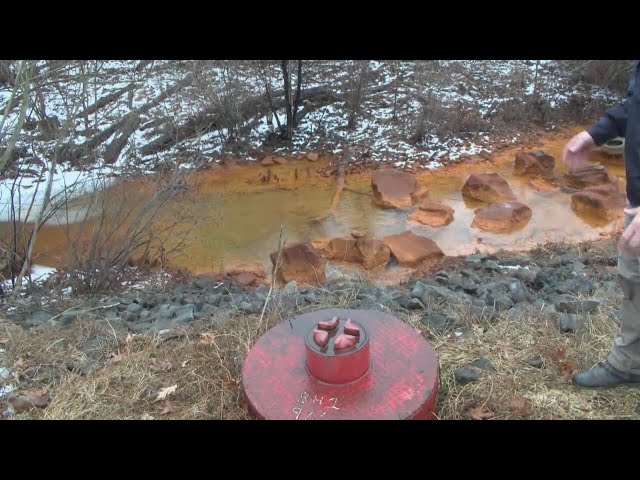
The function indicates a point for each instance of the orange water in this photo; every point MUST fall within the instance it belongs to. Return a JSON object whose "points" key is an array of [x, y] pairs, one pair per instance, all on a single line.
{"points": [[244, 216]]}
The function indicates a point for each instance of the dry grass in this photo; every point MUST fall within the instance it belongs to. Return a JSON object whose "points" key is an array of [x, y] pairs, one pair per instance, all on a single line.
{"points": [[204, 362], [514, 389]]}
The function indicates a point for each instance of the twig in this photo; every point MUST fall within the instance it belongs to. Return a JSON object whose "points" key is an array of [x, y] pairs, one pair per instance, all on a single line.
{"points": [[85, 311], [273, 275]]}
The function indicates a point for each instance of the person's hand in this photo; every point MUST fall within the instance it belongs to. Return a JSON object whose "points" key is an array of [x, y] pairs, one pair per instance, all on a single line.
{"points": [[630, 239], [576, 150]]}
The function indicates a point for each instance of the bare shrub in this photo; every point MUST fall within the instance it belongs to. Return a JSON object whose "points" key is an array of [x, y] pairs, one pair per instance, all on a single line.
{"points": [[135, 222], [606, 74]]}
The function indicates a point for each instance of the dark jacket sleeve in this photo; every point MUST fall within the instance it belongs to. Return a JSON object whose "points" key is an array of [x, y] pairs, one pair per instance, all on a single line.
{"points": [[613, 123]]}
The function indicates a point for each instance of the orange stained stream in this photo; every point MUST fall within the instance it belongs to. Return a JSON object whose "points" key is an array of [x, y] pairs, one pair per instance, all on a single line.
{"points": [[241, 217]]}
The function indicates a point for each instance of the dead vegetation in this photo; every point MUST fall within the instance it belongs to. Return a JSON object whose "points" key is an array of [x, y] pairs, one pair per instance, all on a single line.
{"points": [[93, 371]]}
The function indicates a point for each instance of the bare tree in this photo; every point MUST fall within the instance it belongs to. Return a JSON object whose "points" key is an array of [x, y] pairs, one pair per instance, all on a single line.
{"points": [[291, 104], [357, 81], [23, 80]]}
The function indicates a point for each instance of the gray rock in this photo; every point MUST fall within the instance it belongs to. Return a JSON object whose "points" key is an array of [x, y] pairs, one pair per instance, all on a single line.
{"points": [[577, 306], [569, 322], [394, 306], [483, 363], [290, 288], [88, 367], [145, 315], [501, 302], [110, 313], [437, 323], [491, 265], [206, 311], [149, 302], [214, 299], [476, 302], [566, 259], [310, 297], [127, 299], [464, 335], [261, 292], [418, 290], [404, 302], [428, 293], [520, 260], [442, 276], [163, 298], [611, 286], [185, 314], [535, 362], [139, 327], [135, 308], [38, 318], [471, 274], [576, 286], [515, 285], [578, 267], [257, 306], [130, 317], [475, 259], [385, 298], [167, 311], [161, 324], [465, 375], [415, 304], [487, 288], [370, 304], [526, 275], [456, 280], [518, 296], [469, 285], [518, 312], [542, 305], [238, 298], [250, 307], [67, 319]]}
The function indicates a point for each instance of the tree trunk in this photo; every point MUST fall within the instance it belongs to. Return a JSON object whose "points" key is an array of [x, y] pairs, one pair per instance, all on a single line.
{"points": [[298, 88], [26, 82], [287, 98]]}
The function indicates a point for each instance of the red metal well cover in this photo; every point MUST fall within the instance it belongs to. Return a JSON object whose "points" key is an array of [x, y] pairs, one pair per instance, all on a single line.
{"points": [[401, 382]]}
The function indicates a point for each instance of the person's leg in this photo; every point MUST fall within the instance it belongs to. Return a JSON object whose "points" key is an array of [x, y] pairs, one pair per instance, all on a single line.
{"points": [[623, 363]]}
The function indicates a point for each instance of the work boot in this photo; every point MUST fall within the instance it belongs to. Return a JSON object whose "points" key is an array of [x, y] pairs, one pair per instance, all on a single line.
{"points": [[603, 375]]}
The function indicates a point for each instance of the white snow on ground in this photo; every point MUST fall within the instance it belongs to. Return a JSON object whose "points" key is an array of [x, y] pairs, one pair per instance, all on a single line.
{"points": [[65, 184], [387, 121], [5, 376], [40, 273]]}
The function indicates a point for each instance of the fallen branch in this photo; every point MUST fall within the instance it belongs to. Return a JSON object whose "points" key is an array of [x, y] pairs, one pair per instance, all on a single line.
{"points": [[72, 152], [213, 119], [106, 100], [84, 311]]}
